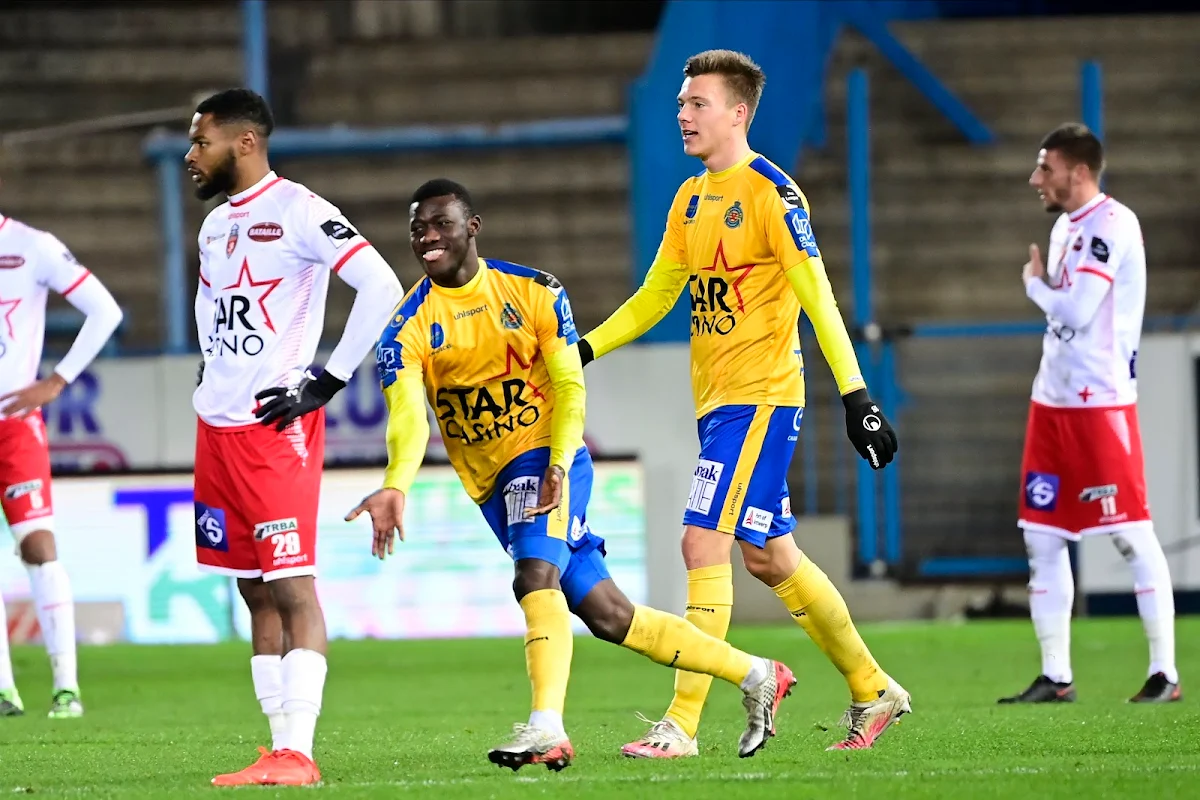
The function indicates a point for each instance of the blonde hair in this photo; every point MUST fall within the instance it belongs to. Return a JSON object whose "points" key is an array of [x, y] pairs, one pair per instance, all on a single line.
{"points": [[744, 79]]}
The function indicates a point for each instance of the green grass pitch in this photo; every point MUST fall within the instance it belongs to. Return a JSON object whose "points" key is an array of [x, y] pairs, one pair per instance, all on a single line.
{"points": [[416, 719]]}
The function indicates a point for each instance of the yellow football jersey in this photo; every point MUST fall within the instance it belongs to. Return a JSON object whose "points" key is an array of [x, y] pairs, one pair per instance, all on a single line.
{"points": [[481, 350], [735, 239]]}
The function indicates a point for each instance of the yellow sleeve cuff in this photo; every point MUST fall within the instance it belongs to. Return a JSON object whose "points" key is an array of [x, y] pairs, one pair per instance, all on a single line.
{"points": [[407, 431], [570, 406], [811, 284], [650, 303]]}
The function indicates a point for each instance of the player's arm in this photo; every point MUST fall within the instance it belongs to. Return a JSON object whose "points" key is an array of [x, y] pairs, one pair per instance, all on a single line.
{"points": [[790, 235], [206, 306], [655, 297], [329, 239], [1076, 306], [58, 270]]}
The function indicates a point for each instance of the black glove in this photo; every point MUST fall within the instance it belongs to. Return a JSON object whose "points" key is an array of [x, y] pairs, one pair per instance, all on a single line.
{"points": [[200, 373], [585, 352], [869, 430], [288, 404]]}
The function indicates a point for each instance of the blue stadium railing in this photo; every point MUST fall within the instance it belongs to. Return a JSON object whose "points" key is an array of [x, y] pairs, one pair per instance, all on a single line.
{"points": [[795, 50]]}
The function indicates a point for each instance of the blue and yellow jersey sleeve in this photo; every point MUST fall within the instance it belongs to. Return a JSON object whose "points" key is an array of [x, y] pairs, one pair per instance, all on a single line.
{"points": [[785, 214], [557, 340], [400, 363]]}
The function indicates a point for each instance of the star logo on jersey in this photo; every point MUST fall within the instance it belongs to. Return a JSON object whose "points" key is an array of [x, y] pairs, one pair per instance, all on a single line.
{"points": [[246, 282], [510, 356], [743, 269], [11, 306]]}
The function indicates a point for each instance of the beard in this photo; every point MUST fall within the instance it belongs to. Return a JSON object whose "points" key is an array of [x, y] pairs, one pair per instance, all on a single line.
{"points": [[221, 180]]}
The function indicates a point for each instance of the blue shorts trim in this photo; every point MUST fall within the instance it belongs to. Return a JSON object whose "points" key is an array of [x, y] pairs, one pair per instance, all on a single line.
{"points": [[562, 537], [740, 483]]}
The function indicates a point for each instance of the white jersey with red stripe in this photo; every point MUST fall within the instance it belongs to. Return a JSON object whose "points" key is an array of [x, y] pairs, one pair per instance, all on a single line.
{"points": [[32, 262], [265, 259], [1094, 298]]}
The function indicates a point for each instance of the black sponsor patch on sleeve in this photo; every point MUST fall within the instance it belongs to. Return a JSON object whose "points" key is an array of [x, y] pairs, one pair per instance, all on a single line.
{"points": [[548, 280], [338, 230], [1100, 249], [790, 197]]}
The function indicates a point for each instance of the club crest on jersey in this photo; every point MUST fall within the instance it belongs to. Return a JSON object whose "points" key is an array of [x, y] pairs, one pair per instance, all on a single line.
{"points": [[1078, 244], [734, 215], [509, 317], [11, 262], [265, 232], [231, 244]]}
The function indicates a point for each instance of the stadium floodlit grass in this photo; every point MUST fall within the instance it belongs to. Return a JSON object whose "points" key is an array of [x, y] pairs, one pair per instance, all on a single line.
{"points": [[417, 718]]}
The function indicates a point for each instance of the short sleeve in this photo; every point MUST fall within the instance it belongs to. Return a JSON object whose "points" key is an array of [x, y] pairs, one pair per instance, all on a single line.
{"points": [[326, 236], [788, 229], [56, 266], [554, 321], [401, 348]]}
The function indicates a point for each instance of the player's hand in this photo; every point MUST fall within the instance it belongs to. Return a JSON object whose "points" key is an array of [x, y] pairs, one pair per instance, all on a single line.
{"points": [[869, 430], [1034, 269], [551, 493], [285, 405], [586, 356], [386, 509], [32, 397]]}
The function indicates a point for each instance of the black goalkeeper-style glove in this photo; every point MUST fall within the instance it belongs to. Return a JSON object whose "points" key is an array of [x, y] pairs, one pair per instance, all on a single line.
{"points": [[286, 405], [586, 356], [869, 430]]}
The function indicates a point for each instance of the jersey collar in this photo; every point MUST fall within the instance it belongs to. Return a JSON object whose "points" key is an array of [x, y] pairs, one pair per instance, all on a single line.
{"points": [[725, 174], [1088, 207], [470, 287], [241, 198]]}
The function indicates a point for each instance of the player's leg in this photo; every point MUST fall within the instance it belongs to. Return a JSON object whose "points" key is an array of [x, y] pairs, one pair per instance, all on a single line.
{"points": [[674, 642], [1051, 597], [29, 509], [1156, 606], [10, 698], [540, 553], [267, 645]]}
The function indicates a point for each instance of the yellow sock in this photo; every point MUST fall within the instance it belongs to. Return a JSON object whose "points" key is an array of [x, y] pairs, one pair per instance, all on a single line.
{"points": [[709, 604], [548, 646], [674, 642], [818, 607]]}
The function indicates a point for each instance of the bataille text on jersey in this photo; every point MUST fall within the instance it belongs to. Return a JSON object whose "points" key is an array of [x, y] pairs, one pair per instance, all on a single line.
{"points": [[472, 415], [710, 312]]}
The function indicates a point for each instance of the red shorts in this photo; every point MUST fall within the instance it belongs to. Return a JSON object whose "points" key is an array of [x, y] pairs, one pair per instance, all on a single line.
{"points": [[1082, 471], [256, 498], [25, 474]]}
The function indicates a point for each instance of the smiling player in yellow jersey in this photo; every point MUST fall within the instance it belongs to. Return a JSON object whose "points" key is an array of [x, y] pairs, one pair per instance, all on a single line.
{"points": [[492, 346], [738, 235]]}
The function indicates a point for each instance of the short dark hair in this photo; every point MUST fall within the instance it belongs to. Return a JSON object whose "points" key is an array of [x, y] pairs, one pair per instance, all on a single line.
{"points": [[443, 187], [239, 105], [743, 77], [1077, 144]]}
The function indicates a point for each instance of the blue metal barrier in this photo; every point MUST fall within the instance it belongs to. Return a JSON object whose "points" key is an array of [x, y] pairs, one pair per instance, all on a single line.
{"points": [[256, 47]]}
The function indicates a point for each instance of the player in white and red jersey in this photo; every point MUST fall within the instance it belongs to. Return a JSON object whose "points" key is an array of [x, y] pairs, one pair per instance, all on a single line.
{"points": [[265, 260], [32, 263], [1082, 471]]}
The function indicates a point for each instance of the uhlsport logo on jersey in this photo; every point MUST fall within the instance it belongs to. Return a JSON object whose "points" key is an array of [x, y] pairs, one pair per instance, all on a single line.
{"points": [[1041, 491], [210, 528]]}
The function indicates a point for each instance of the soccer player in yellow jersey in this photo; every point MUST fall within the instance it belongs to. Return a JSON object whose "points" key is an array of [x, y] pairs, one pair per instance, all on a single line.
{"points": [[492, 346], [738, 236]]}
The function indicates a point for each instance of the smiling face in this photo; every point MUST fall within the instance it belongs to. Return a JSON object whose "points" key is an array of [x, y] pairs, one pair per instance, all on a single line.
{"points": [[709, 120], [212, 158], [442, 234]]}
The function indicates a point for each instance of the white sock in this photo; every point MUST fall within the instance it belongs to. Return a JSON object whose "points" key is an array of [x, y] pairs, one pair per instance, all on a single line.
{"points": [[56, 616], [547, 721], [303, 685], [267, 672], [1155, 596], [6, 673], [759, 669], [1051, 596]]}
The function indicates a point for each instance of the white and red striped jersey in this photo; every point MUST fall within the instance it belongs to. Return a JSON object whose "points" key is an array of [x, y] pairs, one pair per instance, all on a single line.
{"points": [[1094, 298], [265, 259], [32, 263]]}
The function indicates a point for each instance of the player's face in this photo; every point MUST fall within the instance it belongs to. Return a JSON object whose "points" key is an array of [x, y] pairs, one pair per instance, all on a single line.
{"points": [[707, 117], [441, 231], [212, 158], [1054, 180]]}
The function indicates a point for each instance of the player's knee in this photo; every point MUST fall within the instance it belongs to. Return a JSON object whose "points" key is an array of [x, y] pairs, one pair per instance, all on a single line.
{"points": [[37, 547], [703, 547], [257, 596], [294, 596], [607, 612], [534, 575], [774, 563]]}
